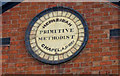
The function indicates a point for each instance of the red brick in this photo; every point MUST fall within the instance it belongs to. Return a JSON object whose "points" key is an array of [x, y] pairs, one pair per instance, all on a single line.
{"points": [[14, 42], [104, 36], [76, 65], [96, 50], [105, 58], [78, 60], [11, 65], [6, 22], [115, 72], [96, 68], [10, 70], [86, 64], [5, 47], [6, 14], [76, 70], [94, 41], [20, 64], [67, 70], [113, 48], [97, 14], [70, 3], [6, 30], [15, 9], [38, 11], [30, 68], [39, 72], [69, 66], [97, 23], [88, 11], [21, 56], [113, 22], [106, 45], [105, 54], [12, 52], [97, 6], [20, 70], [114, 13], [106, 9], [5, 65], [88, 59], [114, 67], [52, 5], [34, 3], [78, 7], [105, 14], [89, 19], [88, 3], [86, 72], [33, 8], [14, 26], [47, 71], [39, 67], [97, 59], [90, 46], [105, 72], [106, 27], [105, 18], [106, 63], [15, 17], [4, 56], [115, 53]]}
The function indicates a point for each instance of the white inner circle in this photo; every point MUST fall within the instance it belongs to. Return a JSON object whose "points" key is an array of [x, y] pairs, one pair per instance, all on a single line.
{"points": [[56, 35]]}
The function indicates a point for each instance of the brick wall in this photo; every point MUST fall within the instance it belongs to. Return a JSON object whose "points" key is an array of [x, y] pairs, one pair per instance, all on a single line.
{"points": [[100, 56]]}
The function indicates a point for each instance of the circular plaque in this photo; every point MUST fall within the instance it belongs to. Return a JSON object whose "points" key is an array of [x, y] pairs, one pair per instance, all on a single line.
{"points": [[56, 35]]}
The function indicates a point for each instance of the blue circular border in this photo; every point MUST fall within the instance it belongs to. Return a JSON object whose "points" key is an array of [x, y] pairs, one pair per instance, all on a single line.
{"points": [[59, 8]]}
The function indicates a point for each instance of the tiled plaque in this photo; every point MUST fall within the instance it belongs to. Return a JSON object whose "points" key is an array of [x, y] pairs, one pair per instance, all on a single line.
{"points": [[56, 35]]}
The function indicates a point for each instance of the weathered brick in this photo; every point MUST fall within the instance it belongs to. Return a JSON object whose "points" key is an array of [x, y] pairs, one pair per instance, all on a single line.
{"points": [[5, 56], [105, 58], [96, 68], [31, 68], [106, 63]]}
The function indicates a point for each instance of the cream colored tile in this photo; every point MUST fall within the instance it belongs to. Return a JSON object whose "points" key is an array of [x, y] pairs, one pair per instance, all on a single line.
{"points": [[55, 57], [69, 53]]}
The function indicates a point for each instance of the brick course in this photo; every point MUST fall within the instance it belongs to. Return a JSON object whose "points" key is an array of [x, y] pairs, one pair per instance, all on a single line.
{"points": [[100, 56]]}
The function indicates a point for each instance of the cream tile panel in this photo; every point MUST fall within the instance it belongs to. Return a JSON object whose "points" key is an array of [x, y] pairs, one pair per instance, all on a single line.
{"points": [[73, 50], [46, 16], [38, 21], [33, 44], [42, 18], [46, 56], [60, 57], [81, 30], [38, 52], [59, 13], [42, 54], [77, 46], [51, 58], [32, 41], [69, 53], [50, 14], [65, 55], [72, 16], [68, 14], [55, 58], [55, 13], [33, 32], [64, 13]]}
